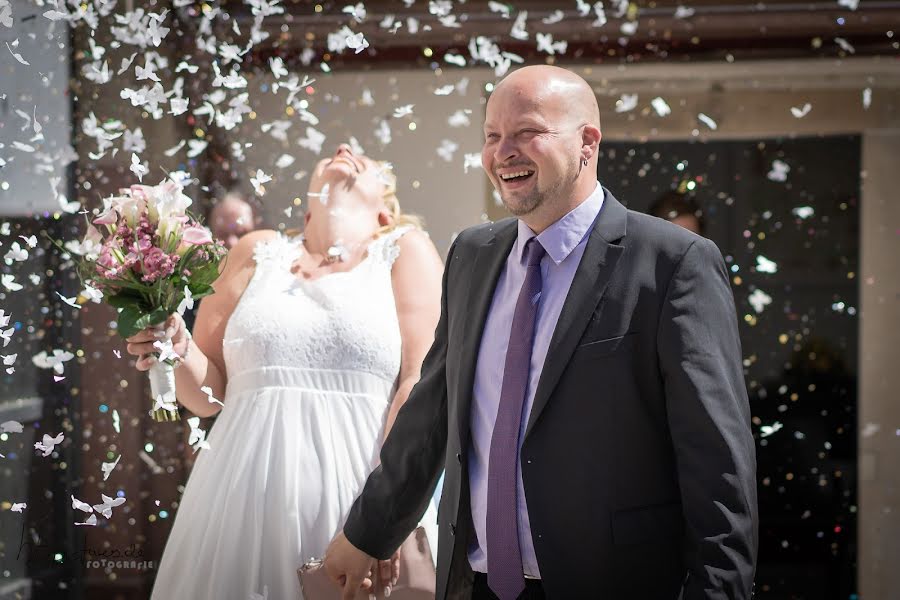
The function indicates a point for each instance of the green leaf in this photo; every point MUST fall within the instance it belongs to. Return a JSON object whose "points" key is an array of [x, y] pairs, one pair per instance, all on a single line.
{"points": [[128, 321], [124, 299], [132, 320]]}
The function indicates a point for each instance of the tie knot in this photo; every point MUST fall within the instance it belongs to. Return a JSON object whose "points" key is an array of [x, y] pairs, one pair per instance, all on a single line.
{"points": [[534, 252]]}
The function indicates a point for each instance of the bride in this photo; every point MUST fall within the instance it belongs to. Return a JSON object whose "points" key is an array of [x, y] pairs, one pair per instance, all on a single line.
{"points": [[313, 343]]}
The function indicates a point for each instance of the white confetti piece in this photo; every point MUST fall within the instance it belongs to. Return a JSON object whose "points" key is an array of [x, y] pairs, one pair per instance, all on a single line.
{"points": [[19, 507], [554, 17], [91, 521], [460, 118], [447, 149], [759, 300], [403, 111], [16, 253], [115, 418], [357, 42], [47, 443], [312, 141], [767, 430], [209, 395], [684, 12], [197, 436], [803, 212], [187, 303], [660, 106], [11, 426], [867, 98], [870, 429], [258, 181], [546, 44], [107, 467], [108, 504], [284, 161], [73, 301], [9, 283], [801, 112], [471, 160], [55, 361], [779, 171], [629, 27], [139, 169], [708, 121], [851, 4], [626, 102], [845, 45], [16, 55], [455, 59], [518, 31], [764, 265]]}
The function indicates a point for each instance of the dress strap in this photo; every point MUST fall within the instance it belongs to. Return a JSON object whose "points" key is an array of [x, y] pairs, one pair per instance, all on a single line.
{"points": [[384, 248]]}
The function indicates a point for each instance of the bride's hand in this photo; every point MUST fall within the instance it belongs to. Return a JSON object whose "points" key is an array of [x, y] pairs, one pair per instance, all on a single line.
{"points": [[141, 343]]}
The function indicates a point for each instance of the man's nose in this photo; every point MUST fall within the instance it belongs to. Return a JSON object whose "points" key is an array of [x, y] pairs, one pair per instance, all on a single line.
{"points": [[343, 149], [506, 149]]}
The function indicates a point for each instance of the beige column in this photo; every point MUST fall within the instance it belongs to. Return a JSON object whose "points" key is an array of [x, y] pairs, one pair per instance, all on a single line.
{"points": [[879, 367]]}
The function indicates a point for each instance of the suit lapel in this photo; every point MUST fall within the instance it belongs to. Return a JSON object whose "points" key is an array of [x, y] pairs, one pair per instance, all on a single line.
{"points": [[591, 278], [489, 261]]}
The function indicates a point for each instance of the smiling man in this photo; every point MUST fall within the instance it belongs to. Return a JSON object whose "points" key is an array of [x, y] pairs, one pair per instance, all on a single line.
{"points": [[584, 391]]}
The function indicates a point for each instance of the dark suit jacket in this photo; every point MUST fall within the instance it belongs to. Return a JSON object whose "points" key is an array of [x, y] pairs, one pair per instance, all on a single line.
{"points": [[638, 459]]}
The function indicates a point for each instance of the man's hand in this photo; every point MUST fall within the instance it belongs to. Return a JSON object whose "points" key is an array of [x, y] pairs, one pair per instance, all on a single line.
{"points": [[353, 570]]}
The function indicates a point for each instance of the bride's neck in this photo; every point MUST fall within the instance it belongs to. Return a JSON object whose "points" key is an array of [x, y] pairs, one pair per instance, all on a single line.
{"points": [[323, 233]]}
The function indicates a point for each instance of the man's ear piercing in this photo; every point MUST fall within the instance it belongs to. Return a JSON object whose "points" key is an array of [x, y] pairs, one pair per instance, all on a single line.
{"points": [[584, 161]]}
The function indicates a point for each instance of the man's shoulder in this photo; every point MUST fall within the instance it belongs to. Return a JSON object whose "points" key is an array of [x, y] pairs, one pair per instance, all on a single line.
{"points": [[660, 236]]}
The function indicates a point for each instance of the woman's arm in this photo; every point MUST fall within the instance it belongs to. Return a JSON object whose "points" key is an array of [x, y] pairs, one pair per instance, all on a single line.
{"points": [[416, 277], [205, 363]]}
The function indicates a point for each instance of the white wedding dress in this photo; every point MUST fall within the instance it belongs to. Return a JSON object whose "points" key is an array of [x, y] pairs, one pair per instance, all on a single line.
{"points": [[312, 367]]}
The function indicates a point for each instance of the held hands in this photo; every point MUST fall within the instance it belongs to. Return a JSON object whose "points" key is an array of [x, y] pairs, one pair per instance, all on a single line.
{"points": [[352, 570], [141, 343]]}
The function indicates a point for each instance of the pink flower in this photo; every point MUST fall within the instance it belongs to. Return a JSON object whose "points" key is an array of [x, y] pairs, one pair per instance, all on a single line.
{"points": [[108, 218], [196, 235], [157, 264]]}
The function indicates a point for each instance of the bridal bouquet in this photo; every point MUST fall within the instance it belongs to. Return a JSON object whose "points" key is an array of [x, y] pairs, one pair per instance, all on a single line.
{"points": [[145, 255]]}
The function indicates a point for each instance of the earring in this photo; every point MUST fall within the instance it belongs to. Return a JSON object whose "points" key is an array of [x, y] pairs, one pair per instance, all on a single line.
{"points": [[584, 161]]}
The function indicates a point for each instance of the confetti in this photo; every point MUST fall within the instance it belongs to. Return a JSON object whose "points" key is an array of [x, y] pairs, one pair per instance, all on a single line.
{"points": [[47, 443], [660, 106], [626, 102], [764, 265], [801, 112], [803, 212], [107, 467], [759, 300], [11, 426], [707, 121], [779, 172]]}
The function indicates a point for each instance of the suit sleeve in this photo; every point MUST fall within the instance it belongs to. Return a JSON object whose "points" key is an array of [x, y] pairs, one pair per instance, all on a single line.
{"points": [[709, 419], [397, 492]]}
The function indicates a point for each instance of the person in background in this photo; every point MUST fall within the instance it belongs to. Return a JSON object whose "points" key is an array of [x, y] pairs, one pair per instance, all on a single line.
{"points": [[680, 209], [230, 218]]}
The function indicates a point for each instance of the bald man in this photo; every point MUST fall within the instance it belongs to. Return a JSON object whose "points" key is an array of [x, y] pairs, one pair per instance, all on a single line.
{"points": [[584, 393]]}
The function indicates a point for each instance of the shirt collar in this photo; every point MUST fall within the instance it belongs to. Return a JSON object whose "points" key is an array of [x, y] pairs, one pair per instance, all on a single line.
{"points": [[565, 234]]}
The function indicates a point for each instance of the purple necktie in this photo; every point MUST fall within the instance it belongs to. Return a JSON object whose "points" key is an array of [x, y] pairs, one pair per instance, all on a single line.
{"points": [[505, 576]]}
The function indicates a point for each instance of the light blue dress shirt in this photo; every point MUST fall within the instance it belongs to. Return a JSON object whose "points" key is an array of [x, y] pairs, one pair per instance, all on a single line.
{"points": [[564, 242]]}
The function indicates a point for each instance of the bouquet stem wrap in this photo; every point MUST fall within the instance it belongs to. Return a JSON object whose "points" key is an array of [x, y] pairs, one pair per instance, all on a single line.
{"points": [[162, 391]]}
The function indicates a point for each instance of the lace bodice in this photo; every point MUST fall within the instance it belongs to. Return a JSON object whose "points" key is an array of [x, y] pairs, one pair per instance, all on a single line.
{"points": [[341, 321]]}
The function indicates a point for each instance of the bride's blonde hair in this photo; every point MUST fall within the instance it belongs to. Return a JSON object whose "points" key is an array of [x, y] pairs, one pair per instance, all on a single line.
{"points": [[392, 203]]}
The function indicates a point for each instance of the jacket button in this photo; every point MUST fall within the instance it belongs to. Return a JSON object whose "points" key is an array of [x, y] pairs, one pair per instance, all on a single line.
{"points": [[452, 529]]}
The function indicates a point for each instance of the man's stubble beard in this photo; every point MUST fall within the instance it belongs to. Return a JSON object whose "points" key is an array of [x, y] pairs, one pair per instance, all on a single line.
{"points": [[536, 197]]}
